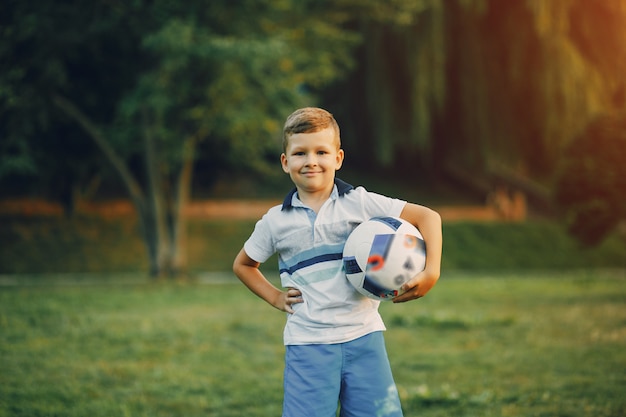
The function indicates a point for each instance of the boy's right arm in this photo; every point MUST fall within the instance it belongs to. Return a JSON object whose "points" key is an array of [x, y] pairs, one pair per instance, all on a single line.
{"points": [[247, 270]]}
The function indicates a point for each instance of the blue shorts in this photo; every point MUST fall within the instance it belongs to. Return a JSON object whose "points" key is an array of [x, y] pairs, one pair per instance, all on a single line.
{"points": [[354, 374]]}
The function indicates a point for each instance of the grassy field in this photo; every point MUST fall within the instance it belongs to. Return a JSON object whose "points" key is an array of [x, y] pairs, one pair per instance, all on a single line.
{"points": [[481, 344]]}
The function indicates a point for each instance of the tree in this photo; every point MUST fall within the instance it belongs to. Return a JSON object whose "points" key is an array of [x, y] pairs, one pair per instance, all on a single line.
{"points": [[394, 96], [153, 81], [49, 47], [485, 90]]}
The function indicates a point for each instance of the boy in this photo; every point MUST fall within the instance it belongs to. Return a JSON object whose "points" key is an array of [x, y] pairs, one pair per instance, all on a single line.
{"points": [[335, 351]]}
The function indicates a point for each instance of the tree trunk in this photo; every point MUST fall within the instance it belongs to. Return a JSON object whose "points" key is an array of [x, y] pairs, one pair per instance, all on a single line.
{"points": [[157, 206], [133, 187], [144, 212], [179, 220]]}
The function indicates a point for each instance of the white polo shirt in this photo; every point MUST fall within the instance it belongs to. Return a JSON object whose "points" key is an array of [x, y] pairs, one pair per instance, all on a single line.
{"points": [[310, 252]]}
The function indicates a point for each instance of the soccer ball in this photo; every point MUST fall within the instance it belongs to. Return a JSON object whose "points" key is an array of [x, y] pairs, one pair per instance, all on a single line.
{"points": [[381, 254]]}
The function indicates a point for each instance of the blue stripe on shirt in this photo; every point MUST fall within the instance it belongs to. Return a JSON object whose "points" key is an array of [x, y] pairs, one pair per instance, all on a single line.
{"points": [[312, 261]]}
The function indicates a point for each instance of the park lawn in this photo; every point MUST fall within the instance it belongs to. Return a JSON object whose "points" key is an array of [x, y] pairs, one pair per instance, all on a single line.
{"points": [[480, 344]]}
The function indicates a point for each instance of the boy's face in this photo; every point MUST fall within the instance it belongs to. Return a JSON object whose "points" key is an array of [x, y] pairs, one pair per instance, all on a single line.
{"points": [[311, 160]]}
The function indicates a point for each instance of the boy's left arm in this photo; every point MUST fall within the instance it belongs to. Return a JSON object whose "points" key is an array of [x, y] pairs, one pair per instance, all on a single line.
{"points": [[429, 224]]}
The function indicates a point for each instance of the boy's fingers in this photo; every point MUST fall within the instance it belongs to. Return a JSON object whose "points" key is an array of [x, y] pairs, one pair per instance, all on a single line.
{"points": [[294, 296], [293, 292], [411, 294], [417, 287], [413, 283], [412, 289]]}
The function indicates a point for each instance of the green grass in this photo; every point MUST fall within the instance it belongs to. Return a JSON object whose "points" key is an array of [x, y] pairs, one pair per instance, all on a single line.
{"points": [[481, 344]]}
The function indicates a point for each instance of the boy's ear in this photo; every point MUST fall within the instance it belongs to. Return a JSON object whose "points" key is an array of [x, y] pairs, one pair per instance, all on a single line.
{"points": [[339, 160], [283, 163]]}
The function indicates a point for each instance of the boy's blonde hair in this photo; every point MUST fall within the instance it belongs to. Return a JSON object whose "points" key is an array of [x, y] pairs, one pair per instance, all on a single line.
{"points": [[309, 120]]}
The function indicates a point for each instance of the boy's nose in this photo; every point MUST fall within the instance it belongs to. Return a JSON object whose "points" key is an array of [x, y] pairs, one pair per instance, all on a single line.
{"points": [[311, 159]]}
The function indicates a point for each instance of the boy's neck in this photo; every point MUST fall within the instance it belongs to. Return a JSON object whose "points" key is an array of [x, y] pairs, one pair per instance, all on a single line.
{"points": [[315, 200]]}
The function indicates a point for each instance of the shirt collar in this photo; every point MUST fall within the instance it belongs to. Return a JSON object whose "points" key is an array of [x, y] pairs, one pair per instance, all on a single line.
{"points": [[341, 188]]}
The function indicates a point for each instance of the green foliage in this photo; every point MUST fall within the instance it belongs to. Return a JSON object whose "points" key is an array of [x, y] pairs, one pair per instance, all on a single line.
{"points": [[15, 158], [236, 82], [221, 72], [156, 86], [532, 245], [485, 84], [490, 86], [50, 48], [592, 180], [515, 344]]}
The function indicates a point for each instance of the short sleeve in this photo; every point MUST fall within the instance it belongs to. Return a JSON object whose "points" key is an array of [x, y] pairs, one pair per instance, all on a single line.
{"points": [[259, 245], [374, 204]]}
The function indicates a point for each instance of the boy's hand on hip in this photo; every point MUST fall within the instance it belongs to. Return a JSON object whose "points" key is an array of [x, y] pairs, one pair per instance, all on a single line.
{"points": [[288, 298], [417, 287]]}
